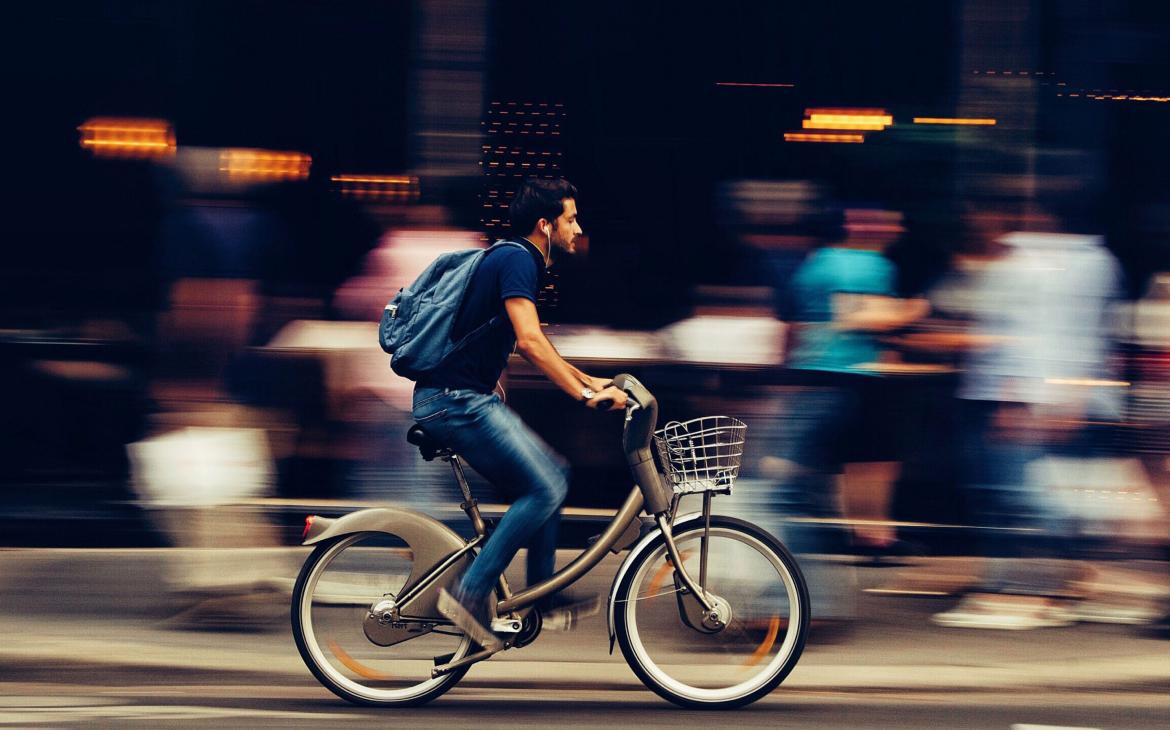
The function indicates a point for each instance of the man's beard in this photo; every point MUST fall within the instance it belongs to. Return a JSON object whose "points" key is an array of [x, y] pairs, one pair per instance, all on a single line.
{"points": [[559, 252]]}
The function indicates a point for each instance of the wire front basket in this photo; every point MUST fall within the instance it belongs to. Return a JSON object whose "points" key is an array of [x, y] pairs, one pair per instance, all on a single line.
{"points": [[702, 454]]}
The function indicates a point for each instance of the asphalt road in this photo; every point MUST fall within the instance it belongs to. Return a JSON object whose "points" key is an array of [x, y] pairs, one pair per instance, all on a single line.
{"points": [[117, 699], [90, 639]]}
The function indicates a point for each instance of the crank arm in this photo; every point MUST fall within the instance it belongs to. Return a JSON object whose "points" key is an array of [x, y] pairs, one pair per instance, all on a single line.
{"points": [[479, 656]]}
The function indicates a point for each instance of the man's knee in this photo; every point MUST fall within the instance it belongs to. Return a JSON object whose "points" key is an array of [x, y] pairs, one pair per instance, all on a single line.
{"points": [[561, 489], [557, 485]]}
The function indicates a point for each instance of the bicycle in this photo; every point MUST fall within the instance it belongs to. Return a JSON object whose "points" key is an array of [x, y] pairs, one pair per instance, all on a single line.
{"points": [[364, 610]]}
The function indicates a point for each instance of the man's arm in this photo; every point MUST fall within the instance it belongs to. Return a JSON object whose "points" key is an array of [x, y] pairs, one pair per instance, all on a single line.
{"points": [[535, 347]]}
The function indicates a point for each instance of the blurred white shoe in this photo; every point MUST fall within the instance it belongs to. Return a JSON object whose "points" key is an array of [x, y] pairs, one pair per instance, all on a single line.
{"points": [[1011, 613], [1103, 611]]}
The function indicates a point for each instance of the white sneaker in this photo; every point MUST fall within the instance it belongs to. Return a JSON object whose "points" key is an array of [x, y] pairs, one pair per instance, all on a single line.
{"points": [[463, 617]]}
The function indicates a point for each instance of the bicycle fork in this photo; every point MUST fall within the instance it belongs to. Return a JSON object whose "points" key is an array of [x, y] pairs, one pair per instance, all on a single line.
{"points": [[700, 609]]}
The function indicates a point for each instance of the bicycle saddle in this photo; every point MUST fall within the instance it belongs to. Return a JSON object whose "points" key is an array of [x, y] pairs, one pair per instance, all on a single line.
{"points": [[429, 446]]}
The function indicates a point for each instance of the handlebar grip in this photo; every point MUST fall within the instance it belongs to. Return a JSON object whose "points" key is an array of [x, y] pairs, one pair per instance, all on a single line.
{"points": [[605, 404]]}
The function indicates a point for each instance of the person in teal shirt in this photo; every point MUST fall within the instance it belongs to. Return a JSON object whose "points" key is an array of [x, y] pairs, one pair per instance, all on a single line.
{"points": [[842, 297], [831, 286]]}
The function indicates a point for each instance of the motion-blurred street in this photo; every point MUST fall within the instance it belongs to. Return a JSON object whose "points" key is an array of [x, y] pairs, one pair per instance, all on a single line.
{"points": [[890, 280], [91, 640]]}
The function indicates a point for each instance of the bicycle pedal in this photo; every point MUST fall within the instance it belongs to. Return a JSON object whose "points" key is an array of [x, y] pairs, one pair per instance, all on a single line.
{"points": [[506, 625]]}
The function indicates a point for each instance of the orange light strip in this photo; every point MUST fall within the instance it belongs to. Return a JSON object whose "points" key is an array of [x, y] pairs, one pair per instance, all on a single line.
{"points": [[848, 110], [127, 137], [378, 187], [806, 137], [117, 143], [375, 179], [1122, 97], [266, 165], [955, 120]]}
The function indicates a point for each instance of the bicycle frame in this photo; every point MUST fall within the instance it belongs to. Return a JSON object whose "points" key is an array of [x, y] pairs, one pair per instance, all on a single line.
{"points": [[650, 492]]}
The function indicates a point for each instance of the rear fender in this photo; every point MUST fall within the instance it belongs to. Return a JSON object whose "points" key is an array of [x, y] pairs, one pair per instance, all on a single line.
{"points": [[429, 540]]}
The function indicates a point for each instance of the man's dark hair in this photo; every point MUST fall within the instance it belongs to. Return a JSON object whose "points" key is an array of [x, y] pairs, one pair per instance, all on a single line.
{"points": [[538, 199]]}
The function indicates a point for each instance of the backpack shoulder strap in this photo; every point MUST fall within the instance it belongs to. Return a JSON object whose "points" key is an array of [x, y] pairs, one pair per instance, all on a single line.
{"points": [[476, 331], [502, 243]]}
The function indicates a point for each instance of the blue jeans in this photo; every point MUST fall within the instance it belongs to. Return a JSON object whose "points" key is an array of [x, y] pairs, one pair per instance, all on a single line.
{"points": [[815, 421], [996, 478], [501, 447]]}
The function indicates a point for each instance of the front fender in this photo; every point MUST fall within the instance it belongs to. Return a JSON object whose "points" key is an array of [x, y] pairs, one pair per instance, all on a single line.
{"points": [[429, 540], [639, 547]]}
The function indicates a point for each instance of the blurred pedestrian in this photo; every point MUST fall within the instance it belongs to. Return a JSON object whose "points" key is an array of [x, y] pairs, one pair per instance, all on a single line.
{"points": [[1041, 314], [843, 297]]}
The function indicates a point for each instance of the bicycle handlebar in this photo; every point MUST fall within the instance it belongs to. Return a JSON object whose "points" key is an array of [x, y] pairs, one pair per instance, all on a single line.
{"points": [[636, 438]]}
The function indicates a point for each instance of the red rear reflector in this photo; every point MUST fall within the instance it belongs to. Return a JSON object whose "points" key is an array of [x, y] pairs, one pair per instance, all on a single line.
{"points": [[308, 525]]}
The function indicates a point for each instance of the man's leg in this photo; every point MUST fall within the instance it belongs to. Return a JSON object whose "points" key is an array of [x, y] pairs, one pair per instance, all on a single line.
{"points": [[542, 549]]}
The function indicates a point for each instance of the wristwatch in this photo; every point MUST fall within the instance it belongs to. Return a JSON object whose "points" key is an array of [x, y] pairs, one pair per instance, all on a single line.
{"points": [[587, 393]]}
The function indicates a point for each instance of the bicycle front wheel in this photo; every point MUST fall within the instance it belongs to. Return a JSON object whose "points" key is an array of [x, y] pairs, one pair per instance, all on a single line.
{"points": [[339, 583], [696, 666]]}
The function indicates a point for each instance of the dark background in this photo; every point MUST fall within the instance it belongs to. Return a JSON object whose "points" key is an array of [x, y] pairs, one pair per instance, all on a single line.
{"points": [[648, 137], [648, 132]]}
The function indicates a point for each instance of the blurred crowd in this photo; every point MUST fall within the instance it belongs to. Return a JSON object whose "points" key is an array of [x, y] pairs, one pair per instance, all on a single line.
{"points": [[1017, 397], [1044, 420]]}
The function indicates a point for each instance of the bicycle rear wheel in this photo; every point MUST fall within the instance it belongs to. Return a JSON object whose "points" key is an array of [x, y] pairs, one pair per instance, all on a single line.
{"points": [[694, 666], [339, 583]]}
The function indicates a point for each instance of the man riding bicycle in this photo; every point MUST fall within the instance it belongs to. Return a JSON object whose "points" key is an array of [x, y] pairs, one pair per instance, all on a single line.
{"points": [[457, 403]]}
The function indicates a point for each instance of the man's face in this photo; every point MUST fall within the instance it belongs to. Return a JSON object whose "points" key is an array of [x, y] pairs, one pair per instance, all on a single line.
{"points": [[565, 228]]}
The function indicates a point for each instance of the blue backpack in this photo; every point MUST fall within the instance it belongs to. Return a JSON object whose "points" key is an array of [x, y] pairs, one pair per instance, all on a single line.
{"points": [[416, 324]]}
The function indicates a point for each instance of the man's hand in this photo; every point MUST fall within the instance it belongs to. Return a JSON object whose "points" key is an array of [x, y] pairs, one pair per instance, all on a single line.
{"points": [[612, 393]]}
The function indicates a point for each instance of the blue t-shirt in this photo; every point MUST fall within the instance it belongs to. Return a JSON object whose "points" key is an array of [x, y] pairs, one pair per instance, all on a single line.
{"points": [[824, 273], [506, 272]]}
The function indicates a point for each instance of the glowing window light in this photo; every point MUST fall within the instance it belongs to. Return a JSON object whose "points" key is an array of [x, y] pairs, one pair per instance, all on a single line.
{"points": [[264, 165], [841, 121], [823, 137], [127, 137], [956, 121], [845, 118]]}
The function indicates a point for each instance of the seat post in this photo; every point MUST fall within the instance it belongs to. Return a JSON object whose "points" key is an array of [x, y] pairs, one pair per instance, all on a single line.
{"points": [[469, 506]]}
